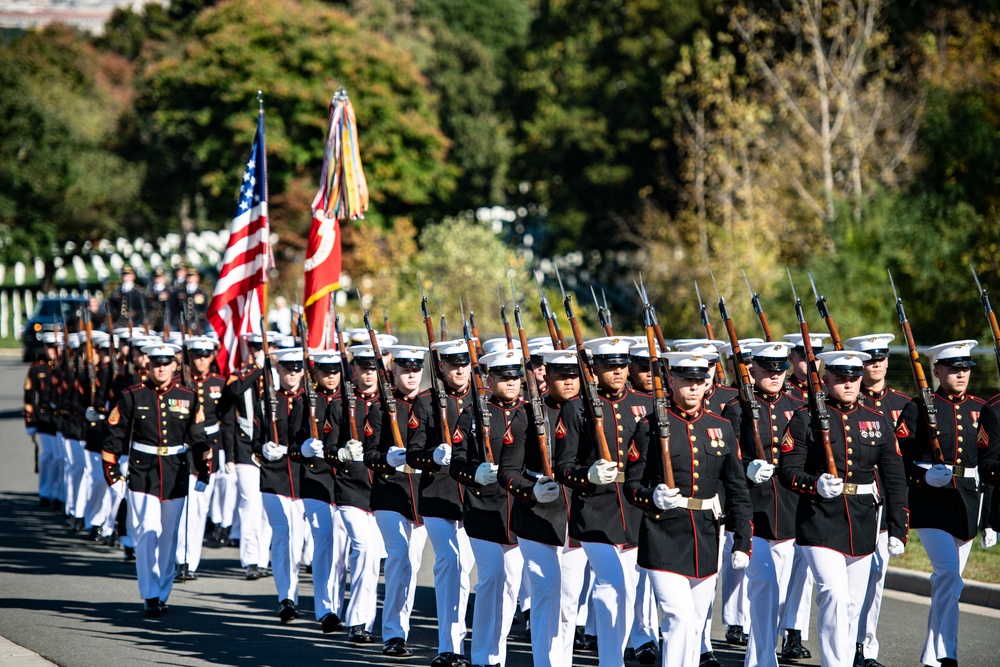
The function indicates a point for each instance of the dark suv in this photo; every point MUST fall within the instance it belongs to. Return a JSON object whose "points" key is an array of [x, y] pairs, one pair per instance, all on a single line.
{"points": [[49, 312]]}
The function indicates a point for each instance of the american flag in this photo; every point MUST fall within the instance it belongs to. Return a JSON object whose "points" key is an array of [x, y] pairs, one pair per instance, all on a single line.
{"points": [[236, 302]]}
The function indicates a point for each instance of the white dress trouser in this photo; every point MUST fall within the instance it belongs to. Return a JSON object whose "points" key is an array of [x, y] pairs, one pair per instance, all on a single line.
{"points": [[191, 536], [453, 560], [645, 624], [224, 495], [74, 468], [798, 597], [735, 602], [255, 530], [112, 501], [321, 517], [684, 603], [556, 575], [364, 548], [404, 546], [97, 490], [50, 456], [287, 517], [153, 524], [948, 556], [868, 626], [767, 583], [499, 568], [613, 597], [841, 584]]}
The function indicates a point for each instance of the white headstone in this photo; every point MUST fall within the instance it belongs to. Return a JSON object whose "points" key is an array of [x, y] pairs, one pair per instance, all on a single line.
{"points": [[39, 270], [120, 244], [29, 302], [17, 314], [155, 260], [4, 315], [100, 268], [116, 262], [19, 273], [82, 275], [171, 242], [139, 264], [3, 273], [61, 274]]}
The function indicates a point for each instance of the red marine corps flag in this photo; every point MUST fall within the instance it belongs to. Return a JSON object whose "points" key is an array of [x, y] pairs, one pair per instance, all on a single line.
{"points": [[342, 194], [236, 305]]}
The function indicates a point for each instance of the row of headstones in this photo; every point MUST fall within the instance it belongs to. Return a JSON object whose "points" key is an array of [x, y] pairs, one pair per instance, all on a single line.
{"points": [[205, 249], [14, 307]]}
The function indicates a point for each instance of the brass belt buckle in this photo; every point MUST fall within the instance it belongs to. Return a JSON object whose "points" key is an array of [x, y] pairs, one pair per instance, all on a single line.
{"points": [[696, 504], [851, 489], [958, 471], [162, 451]]}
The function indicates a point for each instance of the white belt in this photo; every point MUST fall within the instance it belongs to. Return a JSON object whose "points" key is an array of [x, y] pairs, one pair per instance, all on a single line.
{"points": [[957, 471], [159, 451], [708, 504], [870, 489], [213, 429]]}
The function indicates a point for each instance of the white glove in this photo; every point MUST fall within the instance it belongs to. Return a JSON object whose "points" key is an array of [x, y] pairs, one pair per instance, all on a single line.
{"points": [[486, 474], [666, 498], [31, 430], [273, 451], [230, 467], [602, 472], [351, 451], [759, 471], [442, 454], [896, 547], [740, 560], [91, 415], [939, 475], [312, 447], [546, 490], [200, 486], [829, 486], [989, 538], [396, 456], [119, 489]]}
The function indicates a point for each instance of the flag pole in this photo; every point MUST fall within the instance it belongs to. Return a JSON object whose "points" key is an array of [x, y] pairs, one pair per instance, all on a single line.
{"points": [[270, 254]]}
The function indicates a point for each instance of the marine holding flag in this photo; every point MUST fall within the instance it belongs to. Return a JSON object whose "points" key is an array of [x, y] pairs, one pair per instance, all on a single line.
{"points": [[236, 302], [342, 194]]}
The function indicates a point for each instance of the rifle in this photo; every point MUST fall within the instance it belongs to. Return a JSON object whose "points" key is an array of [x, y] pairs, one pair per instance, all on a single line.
{"points": [[818, 413], [481, 409], [824, 312], [307, 378], [607, 311], [385, 321], [748, 398], [984, 296], [534, 396], [503, 318], [641, 287], [475, 329], [166, 321], [345, 377], [558, 342], [919, 379], [270, 397], [660, 404], [88, 327], [444, 333], [757, 308], [720, 371], [129, 367], [385, 389], [185, 370], [602, 316], [440, 396], [589, 386], [112, 348]]}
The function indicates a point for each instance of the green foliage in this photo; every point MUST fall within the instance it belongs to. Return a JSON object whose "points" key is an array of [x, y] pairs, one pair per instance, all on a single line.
{"points": [[59, 176], [197, 95]]}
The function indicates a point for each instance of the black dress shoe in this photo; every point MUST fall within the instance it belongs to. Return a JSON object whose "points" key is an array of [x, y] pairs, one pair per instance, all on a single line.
{"points": [[527, 624], [872, 662], [578, 638], [735, 635], [359, 635], [129, 556], [792, 648], [859, 655], [647, 654], [448, 659], [286, 611], [330, 622], [164, 609], [948, 662], [44, 503], [629, 654], [397, 648], [151, 607], [95, 535], [57, 505], [708, 660], [184, 574], [253, 573], [113, 540], [79, 526]]}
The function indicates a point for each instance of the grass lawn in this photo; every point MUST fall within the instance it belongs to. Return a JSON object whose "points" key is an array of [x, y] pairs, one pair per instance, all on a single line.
{"points": [[984, 565]]}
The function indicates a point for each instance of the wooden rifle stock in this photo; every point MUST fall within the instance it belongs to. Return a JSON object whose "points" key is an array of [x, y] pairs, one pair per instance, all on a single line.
{"points": [[991, 317], [482, 410], [534, 396], [593, 399], [436, 383], [748, 398], [817, 407], [385, 389], [307, 378]]}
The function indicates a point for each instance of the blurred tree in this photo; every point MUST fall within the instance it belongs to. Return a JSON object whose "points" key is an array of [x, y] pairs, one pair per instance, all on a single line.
{"points": [[59, 177], [196, 107]]}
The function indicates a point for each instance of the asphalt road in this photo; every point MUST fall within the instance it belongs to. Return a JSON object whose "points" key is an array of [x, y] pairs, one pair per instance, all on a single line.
{"points": [[78, 604]]}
